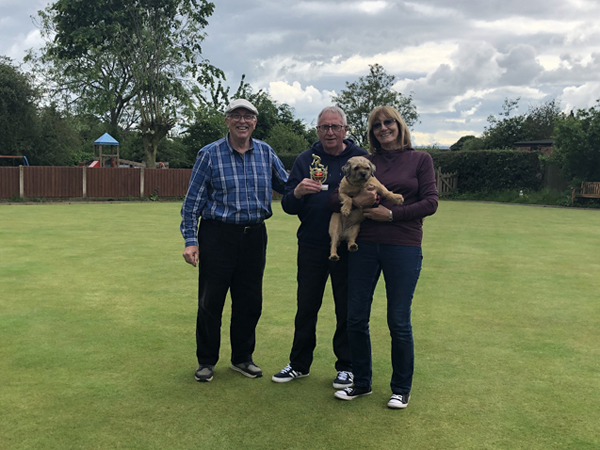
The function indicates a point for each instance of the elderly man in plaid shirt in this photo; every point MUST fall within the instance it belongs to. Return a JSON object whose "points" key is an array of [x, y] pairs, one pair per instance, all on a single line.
{"points": [[231, 190]]}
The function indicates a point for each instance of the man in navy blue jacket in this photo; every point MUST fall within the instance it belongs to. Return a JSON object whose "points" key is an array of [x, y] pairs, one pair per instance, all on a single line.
{"points": [[316, 173]]}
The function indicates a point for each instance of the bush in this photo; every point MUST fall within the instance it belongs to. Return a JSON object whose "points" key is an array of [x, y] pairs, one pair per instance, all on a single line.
{"points": [[491, 170], [288, 159], [284, 140], [577, 145]]}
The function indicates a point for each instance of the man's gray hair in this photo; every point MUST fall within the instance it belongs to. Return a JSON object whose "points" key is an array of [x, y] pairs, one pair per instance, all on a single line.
{"points": [[336, 110]]}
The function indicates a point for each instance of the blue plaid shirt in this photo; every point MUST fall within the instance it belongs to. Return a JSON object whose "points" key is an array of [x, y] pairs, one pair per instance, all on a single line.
{"points": [[231, 187]]}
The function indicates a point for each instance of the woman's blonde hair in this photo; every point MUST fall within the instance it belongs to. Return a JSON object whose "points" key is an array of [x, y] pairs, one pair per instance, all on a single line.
{"points": [[388, 112]]}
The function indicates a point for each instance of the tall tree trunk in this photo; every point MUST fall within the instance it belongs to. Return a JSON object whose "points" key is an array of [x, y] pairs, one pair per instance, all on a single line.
{"points": [[152, 134], [150, 146]]}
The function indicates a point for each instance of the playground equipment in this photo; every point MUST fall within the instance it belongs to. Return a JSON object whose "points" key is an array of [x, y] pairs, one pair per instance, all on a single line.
{"points": [[106, 159], [15, 158], [103, 159]]}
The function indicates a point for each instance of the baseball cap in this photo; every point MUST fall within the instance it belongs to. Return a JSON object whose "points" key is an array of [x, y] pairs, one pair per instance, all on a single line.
{"points": [[241, 103]]}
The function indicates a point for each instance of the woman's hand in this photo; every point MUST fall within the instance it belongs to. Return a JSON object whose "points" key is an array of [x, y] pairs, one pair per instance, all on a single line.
{"points": [[381, 214], [366, 198]]}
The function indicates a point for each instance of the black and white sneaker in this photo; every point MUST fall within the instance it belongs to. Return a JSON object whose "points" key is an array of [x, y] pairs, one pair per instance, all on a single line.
{"points": [[204, 373], [343, 380], [398, 401], [350, 393], [287, 374], [248, 369]]}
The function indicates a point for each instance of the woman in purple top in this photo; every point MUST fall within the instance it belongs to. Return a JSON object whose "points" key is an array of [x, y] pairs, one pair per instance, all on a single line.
{"points": [[390, 242]]}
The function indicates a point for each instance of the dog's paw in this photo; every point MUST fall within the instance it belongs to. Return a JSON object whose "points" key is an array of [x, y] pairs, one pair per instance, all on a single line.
{"points": [[397, 199], [346, 209], [352, 247], [334, 258]]}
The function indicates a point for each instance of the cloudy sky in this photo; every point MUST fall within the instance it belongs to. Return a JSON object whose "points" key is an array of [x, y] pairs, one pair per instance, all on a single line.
{"points": [[459, 59]]}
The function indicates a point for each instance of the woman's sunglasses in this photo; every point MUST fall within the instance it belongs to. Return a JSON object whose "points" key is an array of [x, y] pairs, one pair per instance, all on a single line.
{"points": [[377, 125]]}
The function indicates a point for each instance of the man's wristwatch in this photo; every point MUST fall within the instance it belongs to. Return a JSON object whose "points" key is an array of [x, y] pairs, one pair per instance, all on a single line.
{"points": [[391, 216]]}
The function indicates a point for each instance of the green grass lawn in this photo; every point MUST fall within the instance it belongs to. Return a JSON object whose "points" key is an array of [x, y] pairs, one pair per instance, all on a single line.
{"points": [[97, 317]]}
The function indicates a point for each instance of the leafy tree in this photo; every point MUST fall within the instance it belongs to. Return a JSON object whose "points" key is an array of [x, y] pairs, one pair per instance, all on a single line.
{"points": [[503, 131], [175, 152], [275, 121], [577, 144], [458, 145], [284, 139], [18, 115], [208, 126], [502, 134], [540, 120], [57, 140], [535, 124], [268, 114], [122, 58], [360, 97], [473, 144]]}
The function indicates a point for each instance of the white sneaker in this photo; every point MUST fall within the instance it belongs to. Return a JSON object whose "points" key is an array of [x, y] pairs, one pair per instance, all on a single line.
{"points": [[350, 393], [398, 401]]}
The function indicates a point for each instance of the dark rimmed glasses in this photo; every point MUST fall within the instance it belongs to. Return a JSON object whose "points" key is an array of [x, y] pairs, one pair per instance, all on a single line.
{"points": [[387, 122], [326, 128], [246, 117]]}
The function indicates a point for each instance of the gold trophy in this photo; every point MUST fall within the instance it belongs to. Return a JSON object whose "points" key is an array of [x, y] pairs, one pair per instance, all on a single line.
{"points": [[318, 172]]}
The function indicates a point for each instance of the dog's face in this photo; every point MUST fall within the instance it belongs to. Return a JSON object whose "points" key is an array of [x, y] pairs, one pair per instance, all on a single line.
{"points": [[358, 169]]}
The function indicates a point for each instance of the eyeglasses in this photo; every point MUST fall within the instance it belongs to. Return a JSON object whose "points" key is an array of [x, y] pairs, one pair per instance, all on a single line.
{"points": [[247, 117], [326, 128], [377, 125]]}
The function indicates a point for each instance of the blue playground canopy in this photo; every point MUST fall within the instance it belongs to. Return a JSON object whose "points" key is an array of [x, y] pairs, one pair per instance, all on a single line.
{"points": [[106, 139]]}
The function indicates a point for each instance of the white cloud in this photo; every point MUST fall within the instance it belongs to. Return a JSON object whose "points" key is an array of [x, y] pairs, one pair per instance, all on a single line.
{"points": [[527, 26], [421, 58], [580, 97], [23, 43], [369, 7], [373, 7], [549, 62], [293, 94], [433, 11], [444, 138], [307, 102]]}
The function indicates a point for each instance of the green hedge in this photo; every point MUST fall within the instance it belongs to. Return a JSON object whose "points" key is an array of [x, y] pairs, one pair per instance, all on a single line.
{"points": [[288, 159], [491, 170], [481, 170]]}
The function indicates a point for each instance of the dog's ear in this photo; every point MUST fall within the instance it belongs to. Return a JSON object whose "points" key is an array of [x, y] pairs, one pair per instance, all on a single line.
{"points": [[372, 167], [346, 169]]}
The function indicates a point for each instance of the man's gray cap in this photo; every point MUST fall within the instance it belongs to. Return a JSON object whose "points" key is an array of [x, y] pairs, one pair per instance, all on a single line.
{"points": [[241, 103]]}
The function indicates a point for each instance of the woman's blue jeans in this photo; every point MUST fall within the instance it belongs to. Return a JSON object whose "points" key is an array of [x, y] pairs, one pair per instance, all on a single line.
{"points": [[401, 266]]}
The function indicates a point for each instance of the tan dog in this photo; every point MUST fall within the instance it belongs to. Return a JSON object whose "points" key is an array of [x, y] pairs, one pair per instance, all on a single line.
{"points": [[358, 176]]}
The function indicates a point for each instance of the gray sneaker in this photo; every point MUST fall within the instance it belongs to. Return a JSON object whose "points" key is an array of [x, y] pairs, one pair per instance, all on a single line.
{"points": [[248, 369], [204, 372]]}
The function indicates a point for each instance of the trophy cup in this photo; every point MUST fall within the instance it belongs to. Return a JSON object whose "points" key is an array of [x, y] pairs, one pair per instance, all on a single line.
{"points": [[318, 172]]}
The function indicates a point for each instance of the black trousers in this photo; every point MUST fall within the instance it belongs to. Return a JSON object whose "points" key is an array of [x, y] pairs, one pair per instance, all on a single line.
{"points": [[232, 258], [314, 268]]}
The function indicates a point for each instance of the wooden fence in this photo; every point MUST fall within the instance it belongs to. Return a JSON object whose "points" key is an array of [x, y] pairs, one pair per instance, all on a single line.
{"points": [[83, 182]]}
